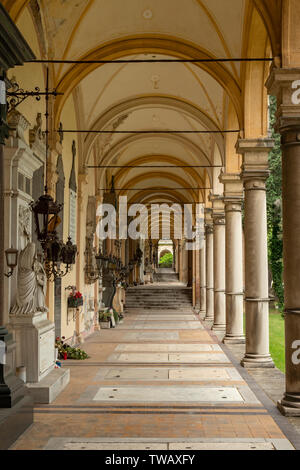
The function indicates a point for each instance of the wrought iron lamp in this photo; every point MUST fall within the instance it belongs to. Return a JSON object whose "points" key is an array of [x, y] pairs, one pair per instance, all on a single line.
{"points": [[11, 260], [46, 210]]}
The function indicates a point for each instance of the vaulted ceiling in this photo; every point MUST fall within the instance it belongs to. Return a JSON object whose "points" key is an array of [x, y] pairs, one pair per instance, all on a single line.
{"points": [[153, 96]]}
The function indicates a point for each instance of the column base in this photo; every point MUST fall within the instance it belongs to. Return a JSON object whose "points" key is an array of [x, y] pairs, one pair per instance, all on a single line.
{"points": [[209, 318], [202, 314], [228, 339], [218, 327], [256, 361], [289, 405]]}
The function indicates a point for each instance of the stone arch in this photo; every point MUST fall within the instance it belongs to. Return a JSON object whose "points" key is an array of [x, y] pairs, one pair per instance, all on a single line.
{"points": [[129, 45], [138, 102]]}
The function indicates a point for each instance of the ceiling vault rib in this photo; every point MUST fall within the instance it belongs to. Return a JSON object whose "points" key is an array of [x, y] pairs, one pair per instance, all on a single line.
{"points": [[94, 131], [153, 189], [154, 166], [150, 61]]}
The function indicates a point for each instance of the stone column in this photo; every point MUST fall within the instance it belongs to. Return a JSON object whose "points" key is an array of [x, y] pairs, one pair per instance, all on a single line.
{"points": [[254, 174], [233, 197], [209, 265], [179, 260], [219, 263], [282, 83], [203, 279]]}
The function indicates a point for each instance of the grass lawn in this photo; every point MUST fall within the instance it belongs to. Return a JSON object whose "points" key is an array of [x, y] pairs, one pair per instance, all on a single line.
{"points": [[277, 339]]}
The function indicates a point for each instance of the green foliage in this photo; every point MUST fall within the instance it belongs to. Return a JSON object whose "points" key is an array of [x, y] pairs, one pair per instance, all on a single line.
{"points": [[72, 353], [274, 216], [104, 316], [116, 316], [76, 353], [166, 261]]}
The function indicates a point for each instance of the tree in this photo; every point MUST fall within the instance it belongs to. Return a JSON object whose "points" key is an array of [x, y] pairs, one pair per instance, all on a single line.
{"points": [[274, 212], [166, 261]]}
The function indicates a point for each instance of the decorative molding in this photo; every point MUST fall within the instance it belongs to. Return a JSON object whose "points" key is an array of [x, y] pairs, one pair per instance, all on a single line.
{"points": [[14, 50], [18, 124]]}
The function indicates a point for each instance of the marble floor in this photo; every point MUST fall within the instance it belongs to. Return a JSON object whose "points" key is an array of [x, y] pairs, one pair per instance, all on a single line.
{"points": [[158, 381]]}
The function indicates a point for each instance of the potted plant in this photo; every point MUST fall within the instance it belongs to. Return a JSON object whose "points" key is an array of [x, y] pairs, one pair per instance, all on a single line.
{"points": [[61, 348], [76, 353], [75, 299], [64, 351], [104, 319]]}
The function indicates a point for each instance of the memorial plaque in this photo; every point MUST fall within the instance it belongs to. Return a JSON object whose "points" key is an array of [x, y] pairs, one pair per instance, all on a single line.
{"points": [[72, 216], [46, 350]]}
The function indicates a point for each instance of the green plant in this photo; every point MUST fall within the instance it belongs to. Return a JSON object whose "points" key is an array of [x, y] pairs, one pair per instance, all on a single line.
{"points": [[166, 261], [72, 353], [76, 353], [116, 316], [274, 216], [104, 316], [60, 346]]}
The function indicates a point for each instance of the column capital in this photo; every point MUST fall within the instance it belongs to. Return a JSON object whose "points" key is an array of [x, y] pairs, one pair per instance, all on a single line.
{"points": [[255, 167], [218, 214], [233, 188], [208, 216], [285, 85], [209, 229]]}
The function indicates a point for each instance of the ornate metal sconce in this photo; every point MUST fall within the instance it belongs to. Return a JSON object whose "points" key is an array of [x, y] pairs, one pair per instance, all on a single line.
{"points": [[46, 218], [11, 260]]}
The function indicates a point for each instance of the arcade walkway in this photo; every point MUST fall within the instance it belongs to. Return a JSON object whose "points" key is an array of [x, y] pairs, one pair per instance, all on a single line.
{"points": [[161, 380]]}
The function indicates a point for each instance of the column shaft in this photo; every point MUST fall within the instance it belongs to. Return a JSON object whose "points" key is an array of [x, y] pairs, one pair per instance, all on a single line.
{"points": [[255, 172], [291, 251], [219, 274], [203, 279], [234, 274], [209, 273], [233, 192]]}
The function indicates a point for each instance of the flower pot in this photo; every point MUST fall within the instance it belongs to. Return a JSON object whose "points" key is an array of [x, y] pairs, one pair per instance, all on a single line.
{"points": [[65, 356], [74, 303], [105, 324]]}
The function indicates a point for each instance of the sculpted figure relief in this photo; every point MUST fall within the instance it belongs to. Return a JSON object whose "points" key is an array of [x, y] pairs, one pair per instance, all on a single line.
{"points": [[32, 284]]}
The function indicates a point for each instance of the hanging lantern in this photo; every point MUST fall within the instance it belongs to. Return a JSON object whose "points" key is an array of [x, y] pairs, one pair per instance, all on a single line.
{"points": [[46, 210], [46, 218], [68, 253]]}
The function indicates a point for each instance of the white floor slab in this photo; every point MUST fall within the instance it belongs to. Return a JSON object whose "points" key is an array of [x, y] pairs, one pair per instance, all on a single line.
{"points": [[213, 357], [84, 445], [186, 325], [152, 336], [222, 446], [166, 318], [141, 357], [150, 394], [201, 373], [168, 347], [138, 374], [182, 358], [134, 443]]}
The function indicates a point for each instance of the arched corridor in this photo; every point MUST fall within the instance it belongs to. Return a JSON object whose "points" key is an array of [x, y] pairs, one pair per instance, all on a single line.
{"points": [[163, 131], [161, 380]]}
